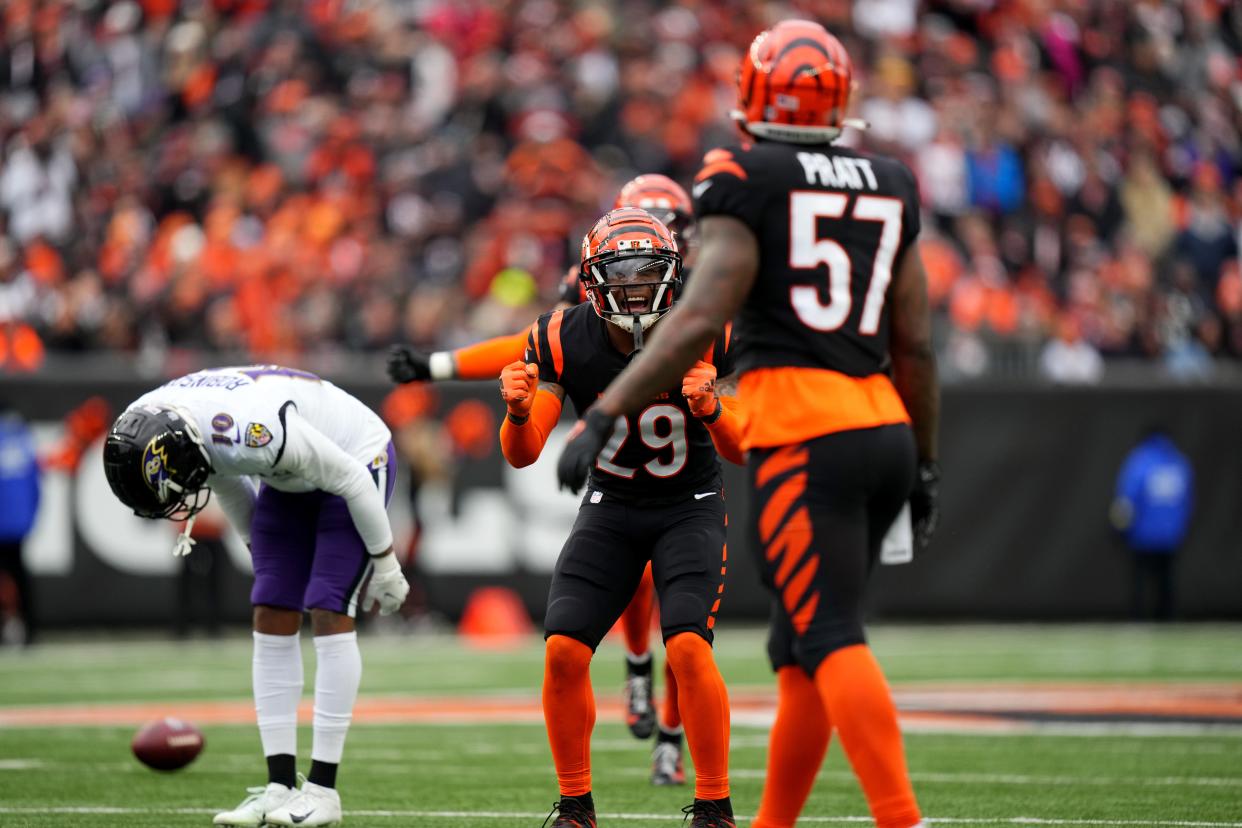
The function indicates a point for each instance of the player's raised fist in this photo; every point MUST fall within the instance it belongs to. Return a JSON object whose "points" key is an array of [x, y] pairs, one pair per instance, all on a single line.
{"points": [[699, 388], [518, 382]]}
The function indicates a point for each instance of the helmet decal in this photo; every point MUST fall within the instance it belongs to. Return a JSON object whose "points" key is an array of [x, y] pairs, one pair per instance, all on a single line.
{"points": [[155, 467]]}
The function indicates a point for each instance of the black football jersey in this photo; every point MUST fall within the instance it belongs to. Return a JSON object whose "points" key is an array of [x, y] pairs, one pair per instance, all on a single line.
{"points": [[662, 453], [832, 224]]}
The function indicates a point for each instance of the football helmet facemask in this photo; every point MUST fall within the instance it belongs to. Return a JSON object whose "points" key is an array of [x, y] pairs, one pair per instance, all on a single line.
{"points": [[794, 85], [157, 464], [631, 270]]}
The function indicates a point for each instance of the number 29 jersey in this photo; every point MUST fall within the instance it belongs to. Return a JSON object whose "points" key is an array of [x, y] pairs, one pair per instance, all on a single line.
{"points": [[813, 337], [663, 453]]}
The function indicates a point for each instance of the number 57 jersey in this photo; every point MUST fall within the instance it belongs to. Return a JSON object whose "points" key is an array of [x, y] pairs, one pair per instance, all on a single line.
{"points": [[813, 337]]}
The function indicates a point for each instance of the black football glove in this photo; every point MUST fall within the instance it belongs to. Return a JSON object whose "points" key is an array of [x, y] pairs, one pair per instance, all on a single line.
{"points": [[406, 364], [924, 513], [586, 441]]}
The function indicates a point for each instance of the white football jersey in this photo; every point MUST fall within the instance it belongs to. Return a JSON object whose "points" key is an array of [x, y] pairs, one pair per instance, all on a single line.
{"points": [[289, 429]]}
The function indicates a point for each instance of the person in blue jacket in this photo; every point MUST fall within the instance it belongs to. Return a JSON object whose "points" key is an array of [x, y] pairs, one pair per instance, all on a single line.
{"points": [[19, 504], [1152, 509]]}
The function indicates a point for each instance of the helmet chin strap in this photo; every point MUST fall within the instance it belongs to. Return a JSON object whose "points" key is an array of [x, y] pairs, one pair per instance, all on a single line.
{"points": [[638, 333]]}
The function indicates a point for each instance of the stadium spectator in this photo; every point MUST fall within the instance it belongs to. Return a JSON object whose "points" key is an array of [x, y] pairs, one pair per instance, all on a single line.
{"points": [[1152, 510], [19, 505], [276, 180], [1069, 359]]}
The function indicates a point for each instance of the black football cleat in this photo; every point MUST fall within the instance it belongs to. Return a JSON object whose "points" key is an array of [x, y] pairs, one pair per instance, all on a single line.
{"points": [[640, 715], [706, 813], [570, 813]]}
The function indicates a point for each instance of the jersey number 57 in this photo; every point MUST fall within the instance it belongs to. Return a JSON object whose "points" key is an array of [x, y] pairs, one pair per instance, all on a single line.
{"points": [[808, 251]]}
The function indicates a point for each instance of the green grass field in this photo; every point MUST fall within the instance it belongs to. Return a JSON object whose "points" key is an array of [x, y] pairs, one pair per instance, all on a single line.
{"points": [[457, 774]]}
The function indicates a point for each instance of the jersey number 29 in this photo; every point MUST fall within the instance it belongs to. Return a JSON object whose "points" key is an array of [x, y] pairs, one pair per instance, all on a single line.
{"points": [[675, 438], [807, 251]]}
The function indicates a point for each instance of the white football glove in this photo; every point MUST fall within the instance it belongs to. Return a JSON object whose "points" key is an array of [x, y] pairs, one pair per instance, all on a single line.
{"points": [[388, 586]]}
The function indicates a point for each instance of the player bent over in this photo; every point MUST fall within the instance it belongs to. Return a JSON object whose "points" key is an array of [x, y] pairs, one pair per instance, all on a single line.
{"points": [[304, 472], [812, 247], [655, 495]]}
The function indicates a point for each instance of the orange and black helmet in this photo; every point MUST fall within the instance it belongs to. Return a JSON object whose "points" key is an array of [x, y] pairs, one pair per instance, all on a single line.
{"points": [[661, 196], [631, 269], [793, 84]]}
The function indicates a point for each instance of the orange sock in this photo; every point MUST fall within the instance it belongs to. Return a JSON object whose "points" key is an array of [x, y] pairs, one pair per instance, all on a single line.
{"points": [[796, 749], [861, 708], [485, 360], [670, 713], [704, 703], [569, 711], [636, 620]]}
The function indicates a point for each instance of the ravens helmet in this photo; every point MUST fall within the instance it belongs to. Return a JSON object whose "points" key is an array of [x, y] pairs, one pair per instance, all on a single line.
{"points": [[157, 464]]}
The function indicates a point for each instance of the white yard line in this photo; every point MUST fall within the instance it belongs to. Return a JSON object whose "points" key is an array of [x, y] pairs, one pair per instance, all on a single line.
{"points": [[635, 817]]}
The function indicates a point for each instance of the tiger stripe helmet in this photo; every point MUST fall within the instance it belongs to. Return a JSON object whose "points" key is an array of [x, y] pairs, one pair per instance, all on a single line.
{"points": [[661, 196], [793, 84], [631, 269]]}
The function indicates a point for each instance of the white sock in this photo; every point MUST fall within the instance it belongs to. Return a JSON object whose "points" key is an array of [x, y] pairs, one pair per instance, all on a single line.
{"points": [[638, 660], [338, 672], [277, 676]]}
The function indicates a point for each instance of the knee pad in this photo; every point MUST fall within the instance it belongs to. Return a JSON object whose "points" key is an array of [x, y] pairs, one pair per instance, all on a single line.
{"points": [[686, 650], [684, 612], [572, 616], [566, 657]]}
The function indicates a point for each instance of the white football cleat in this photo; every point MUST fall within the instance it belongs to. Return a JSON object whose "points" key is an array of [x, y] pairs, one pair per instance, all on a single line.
{"points": [[252, 809], [312, 806]]}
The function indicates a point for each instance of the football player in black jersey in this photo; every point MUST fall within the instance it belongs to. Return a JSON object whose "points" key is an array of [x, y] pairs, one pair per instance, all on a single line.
{"points": [[670, 203], [655, 495], [812, 247]]}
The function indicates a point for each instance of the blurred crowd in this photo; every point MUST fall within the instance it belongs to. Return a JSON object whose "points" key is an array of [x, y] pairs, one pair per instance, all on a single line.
{"points": [[289, 179]]}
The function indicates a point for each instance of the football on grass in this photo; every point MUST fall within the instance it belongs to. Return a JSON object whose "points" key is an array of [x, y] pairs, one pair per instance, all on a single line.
{"points": [[167, 744]]}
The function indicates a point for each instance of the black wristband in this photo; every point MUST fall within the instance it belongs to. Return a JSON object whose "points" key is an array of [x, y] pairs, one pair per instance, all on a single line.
{"points": [[711, 419], [515, 420]]}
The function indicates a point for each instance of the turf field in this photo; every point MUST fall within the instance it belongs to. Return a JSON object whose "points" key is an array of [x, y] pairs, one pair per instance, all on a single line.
{"points": [[1083, 725]]}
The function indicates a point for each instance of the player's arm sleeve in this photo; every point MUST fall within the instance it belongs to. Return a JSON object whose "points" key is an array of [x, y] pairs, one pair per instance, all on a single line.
{"points": [[236, 495], [725, 187], [485, 360], [311, 456], [727, 430], [521, 444]]}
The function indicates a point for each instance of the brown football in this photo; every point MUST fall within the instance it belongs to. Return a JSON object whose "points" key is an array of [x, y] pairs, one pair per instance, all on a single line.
{"points": [[167, 744]]}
